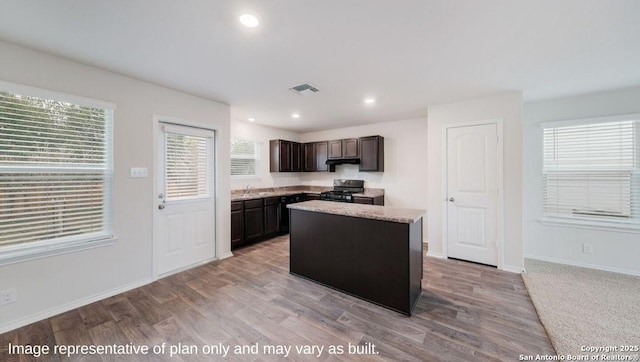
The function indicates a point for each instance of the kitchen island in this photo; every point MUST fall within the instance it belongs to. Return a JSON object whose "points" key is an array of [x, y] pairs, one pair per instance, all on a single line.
{"points": [[368, 251]]}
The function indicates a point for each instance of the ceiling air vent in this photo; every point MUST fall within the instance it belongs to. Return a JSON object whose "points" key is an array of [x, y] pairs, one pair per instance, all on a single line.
{"points": [[304, 89]]}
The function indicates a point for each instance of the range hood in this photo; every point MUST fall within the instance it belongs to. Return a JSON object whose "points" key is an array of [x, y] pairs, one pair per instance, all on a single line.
{"points": [[339, 161]]}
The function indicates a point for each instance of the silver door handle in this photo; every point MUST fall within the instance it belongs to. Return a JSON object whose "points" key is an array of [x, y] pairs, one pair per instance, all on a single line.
{"points": [[451, 199]]}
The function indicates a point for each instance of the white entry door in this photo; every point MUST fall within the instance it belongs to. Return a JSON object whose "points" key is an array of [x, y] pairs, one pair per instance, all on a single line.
{"points": [[472, 193], [185, 217]]}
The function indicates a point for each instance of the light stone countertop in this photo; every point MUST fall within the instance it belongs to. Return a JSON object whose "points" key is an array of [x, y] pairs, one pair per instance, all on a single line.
{"points": [[241, 195], [384, 213]]}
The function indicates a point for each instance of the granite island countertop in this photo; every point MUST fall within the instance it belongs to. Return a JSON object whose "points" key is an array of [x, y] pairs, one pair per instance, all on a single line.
{"points": [[384, 213]]}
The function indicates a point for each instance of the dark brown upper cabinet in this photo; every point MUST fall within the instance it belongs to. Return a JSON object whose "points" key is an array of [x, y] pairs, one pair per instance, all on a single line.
{"points": [[288, 156], [347, 148], [314, 155], [335, 149], [308, 157], [285, 156], [321, 150], [296, 157], [372, 153]]}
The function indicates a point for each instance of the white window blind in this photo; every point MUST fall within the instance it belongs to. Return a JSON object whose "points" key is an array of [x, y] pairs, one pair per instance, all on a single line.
{"points": [[187, 169], [55, 171], [591, 171], [244, 158]]}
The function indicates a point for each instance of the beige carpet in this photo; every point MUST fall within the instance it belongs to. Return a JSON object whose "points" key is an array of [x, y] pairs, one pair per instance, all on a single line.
{"points": [[585, 307]]}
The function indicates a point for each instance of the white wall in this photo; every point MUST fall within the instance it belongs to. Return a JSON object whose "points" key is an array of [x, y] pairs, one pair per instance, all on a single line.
{"points": [[50, 285], [405, 169], [262, 135], [615, 251], [508, 107]]}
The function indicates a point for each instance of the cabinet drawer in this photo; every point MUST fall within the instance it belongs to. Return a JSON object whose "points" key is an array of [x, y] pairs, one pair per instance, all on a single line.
{"points": [[236, 206], [312, 197], [363, 200], [271, 201], [252, 204]]}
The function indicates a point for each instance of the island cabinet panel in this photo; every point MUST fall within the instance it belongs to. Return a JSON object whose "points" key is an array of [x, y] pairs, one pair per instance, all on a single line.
{"points": [[372, 154], [253, 220], [378, 261], [237, 223]]}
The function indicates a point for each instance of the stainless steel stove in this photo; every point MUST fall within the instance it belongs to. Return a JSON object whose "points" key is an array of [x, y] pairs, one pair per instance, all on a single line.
{"points": [[343, 190]]}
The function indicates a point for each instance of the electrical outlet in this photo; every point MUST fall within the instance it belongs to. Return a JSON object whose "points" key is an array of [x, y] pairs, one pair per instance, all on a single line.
{"points": [[8, 296], [587, 248]]}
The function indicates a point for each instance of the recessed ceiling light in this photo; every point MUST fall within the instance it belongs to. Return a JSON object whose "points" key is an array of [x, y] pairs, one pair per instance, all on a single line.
{"points": [[251, 119], [369, 100], [248, 20], [295, 115]]}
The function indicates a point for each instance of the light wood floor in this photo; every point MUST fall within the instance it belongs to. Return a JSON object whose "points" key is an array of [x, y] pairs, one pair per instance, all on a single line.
{"points": [[467, 312]]}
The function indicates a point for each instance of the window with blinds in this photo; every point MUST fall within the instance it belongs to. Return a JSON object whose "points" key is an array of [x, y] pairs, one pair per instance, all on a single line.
{"points": [[244, 158], [187, 168], [55, 172], [591, 170]]}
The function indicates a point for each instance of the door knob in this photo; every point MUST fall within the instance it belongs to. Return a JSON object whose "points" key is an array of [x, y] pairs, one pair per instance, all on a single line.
{"points": [[451, 199]]}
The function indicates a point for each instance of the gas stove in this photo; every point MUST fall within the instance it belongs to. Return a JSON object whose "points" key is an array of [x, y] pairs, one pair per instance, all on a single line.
{"points": [[338, 196], [343, 190]]}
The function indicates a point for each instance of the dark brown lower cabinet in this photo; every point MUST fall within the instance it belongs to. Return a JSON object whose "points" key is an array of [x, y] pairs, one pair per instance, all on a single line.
{"points": [[237, 223], [271, 216], [253, 220], [259, 219], [378, 200], [312, 197]]}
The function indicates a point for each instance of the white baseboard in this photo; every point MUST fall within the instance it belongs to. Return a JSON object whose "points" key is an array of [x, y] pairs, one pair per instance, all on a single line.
{"points": [[225, 255], [512, 269], [69, 306], [583, 265], [435, 255]]}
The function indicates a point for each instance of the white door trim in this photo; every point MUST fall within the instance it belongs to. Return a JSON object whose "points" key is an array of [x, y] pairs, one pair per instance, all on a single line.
{"points": [[157, 120], [500, 179]]}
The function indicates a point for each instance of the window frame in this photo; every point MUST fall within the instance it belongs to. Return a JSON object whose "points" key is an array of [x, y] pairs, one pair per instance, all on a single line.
{"points": [[256, 159], [15, 253], [594, 222]]}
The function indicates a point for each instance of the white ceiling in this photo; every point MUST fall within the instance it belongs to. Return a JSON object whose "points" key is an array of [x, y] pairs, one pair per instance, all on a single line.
{"points": [[408, 54]]}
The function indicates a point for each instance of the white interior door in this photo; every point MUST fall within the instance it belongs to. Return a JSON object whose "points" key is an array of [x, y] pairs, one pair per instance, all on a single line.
{"points": [[472, 193], [185, 219]]}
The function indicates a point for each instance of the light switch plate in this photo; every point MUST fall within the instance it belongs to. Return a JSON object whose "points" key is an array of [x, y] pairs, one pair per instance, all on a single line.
{"points": [[8, 296], [136, 172]]}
